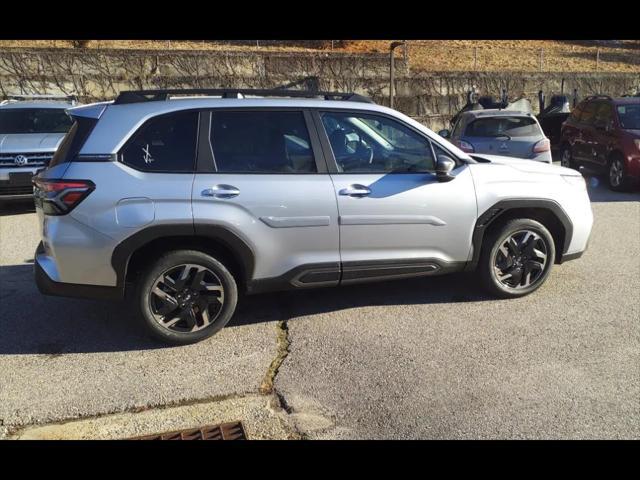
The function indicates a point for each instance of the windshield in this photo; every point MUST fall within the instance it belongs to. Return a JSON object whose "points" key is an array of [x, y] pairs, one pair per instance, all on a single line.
{"points": [[34, 120], [497, 126], [629, 116]]}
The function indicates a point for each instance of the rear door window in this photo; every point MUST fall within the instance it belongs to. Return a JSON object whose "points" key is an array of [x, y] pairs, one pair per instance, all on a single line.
{"points": [[503, 125], [166, 143], [261, 142]]}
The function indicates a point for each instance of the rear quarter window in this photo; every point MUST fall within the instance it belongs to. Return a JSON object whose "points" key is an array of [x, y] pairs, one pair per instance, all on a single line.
{"points": [[73, 140], [166, 143]]}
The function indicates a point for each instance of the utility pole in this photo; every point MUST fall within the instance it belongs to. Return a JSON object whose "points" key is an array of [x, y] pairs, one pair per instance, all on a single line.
{"points": [[392, 47]]}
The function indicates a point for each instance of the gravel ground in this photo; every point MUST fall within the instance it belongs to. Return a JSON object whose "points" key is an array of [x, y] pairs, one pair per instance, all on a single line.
{"points": [[64, 358], [426, 358]]}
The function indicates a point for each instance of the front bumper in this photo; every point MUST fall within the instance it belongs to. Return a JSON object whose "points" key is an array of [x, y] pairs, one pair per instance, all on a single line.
{"points": [[15, 183], [47, 286], [566, 257]]}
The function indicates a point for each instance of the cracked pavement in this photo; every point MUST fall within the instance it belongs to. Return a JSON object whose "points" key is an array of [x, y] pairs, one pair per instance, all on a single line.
{"points": [[422, 358]]}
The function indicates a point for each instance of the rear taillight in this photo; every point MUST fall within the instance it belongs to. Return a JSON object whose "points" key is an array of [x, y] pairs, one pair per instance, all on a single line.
{"points": [[465, 146], [59, 197], [543, 145]]}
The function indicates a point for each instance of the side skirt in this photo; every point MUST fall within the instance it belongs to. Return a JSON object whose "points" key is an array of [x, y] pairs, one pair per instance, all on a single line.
{"points": [[334, 274]]}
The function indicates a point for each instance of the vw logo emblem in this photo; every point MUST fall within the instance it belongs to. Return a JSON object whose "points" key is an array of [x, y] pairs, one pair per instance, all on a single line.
{"points": [[20, 160]]}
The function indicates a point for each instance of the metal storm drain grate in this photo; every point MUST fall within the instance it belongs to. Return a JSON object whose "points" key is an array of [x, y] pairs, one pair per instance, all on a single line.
{"points": [[224, 431]]}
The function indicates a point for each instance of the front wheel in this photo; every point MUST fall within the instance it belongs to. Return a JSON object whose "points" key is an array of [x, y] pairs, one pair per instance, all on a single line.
{"points": [[186, 296], [516, 258], [617, 175]]}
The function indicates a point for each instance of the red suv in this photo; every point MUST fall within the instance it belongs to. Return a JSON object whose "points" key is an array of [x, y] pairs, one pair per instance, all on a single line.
{"points": [[603, 133]]}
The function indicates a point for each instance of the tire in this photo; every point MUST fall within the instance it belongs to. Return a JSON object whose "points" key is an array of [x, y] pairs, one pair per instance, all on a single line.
{"points": [[495, 267], [566, 158], [617, 176], [202, 303]]}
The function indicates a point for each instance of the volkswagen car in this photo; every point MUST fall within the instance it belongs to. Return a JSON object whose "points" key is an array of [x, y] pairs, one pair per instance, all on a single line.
{"points": [[31, 129]]}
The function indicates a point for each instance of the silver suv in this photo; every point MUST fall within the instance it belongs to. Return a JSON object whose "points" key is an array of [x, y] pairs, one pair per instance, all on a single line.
{"points": [[185, 203], [31, 128]]}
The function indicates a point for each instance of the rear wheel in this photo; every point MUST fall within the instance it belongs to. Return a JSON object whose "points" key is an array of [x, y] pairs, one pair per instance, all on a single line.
{"points": [[516, 258], [186, 296]]}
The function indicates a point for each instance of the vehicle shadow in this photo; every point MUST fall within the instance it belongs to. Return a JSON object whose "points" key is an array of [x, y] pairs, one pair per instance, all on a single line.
{"points": [[599, 191], [293, 304], [32, 323]]}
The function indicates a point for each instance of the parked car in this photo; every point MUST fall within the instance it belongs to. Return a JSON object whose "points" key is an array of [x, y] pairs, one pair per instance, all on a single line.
{"points": [[603, 133], [487, 102], [31, 128], [182, 204], [500, 132]]}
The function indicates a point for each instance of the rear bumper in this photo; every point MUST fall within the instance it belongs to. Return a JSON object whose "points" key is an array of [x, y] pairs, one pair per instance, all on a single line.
{"points": [[47, 286]]}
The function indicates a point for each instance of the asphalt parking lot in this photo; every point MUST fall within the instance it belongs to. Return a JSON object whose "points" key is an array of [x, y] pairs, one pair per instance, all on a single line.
{"points": [[426, 358]]}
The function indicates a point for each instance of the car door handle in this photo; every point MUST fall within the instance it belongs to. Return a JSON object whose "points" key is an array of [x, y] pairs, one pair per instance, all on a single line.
{"points": [[355, 191], [221, 191]]}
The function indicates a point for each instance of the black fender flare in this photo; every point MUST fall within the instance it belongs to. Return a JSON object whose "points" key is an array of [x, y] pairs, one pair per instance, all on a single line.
{"points": [[499, 209], [123, 252]]}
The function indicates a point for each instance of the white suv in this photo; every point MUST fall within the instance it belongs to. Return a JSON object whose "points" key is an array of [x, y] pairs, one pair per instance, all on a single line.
{"points": [[185, 202], [31, 128]]}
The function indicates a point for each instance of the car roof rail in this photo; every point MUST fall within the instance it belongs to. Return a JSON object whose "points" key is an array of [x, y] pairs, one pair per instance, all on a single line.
{"points": [[139, 96], [22, 97]]}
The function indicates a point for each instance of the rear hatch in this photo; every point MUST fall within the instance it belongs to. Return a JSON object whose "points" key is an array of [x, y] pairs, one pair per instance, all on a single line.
{"points": [[511, 136], [55, 195]]}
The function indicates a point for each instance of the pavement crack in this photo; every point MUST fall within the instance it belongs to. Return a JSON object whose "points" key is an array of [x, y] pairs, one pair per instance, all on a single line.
{"points": [[267, 384], [277, 401]]}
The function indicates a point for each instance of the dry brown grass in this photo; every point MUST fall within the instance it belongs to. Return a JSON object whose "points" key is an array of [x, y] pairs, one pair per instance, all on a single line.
{"points": [[424, 55]]}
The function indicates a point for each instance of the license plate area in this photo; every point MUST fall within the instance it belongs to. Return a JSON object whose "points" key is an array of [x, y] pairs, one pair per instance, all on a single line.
{"points": [[20, 179]]}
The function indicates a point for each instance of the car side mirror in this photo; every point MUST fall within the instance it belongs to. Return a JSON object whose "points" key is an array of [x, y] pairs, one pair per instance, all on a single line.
{"points": [[444, 167], [444, 133]]}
